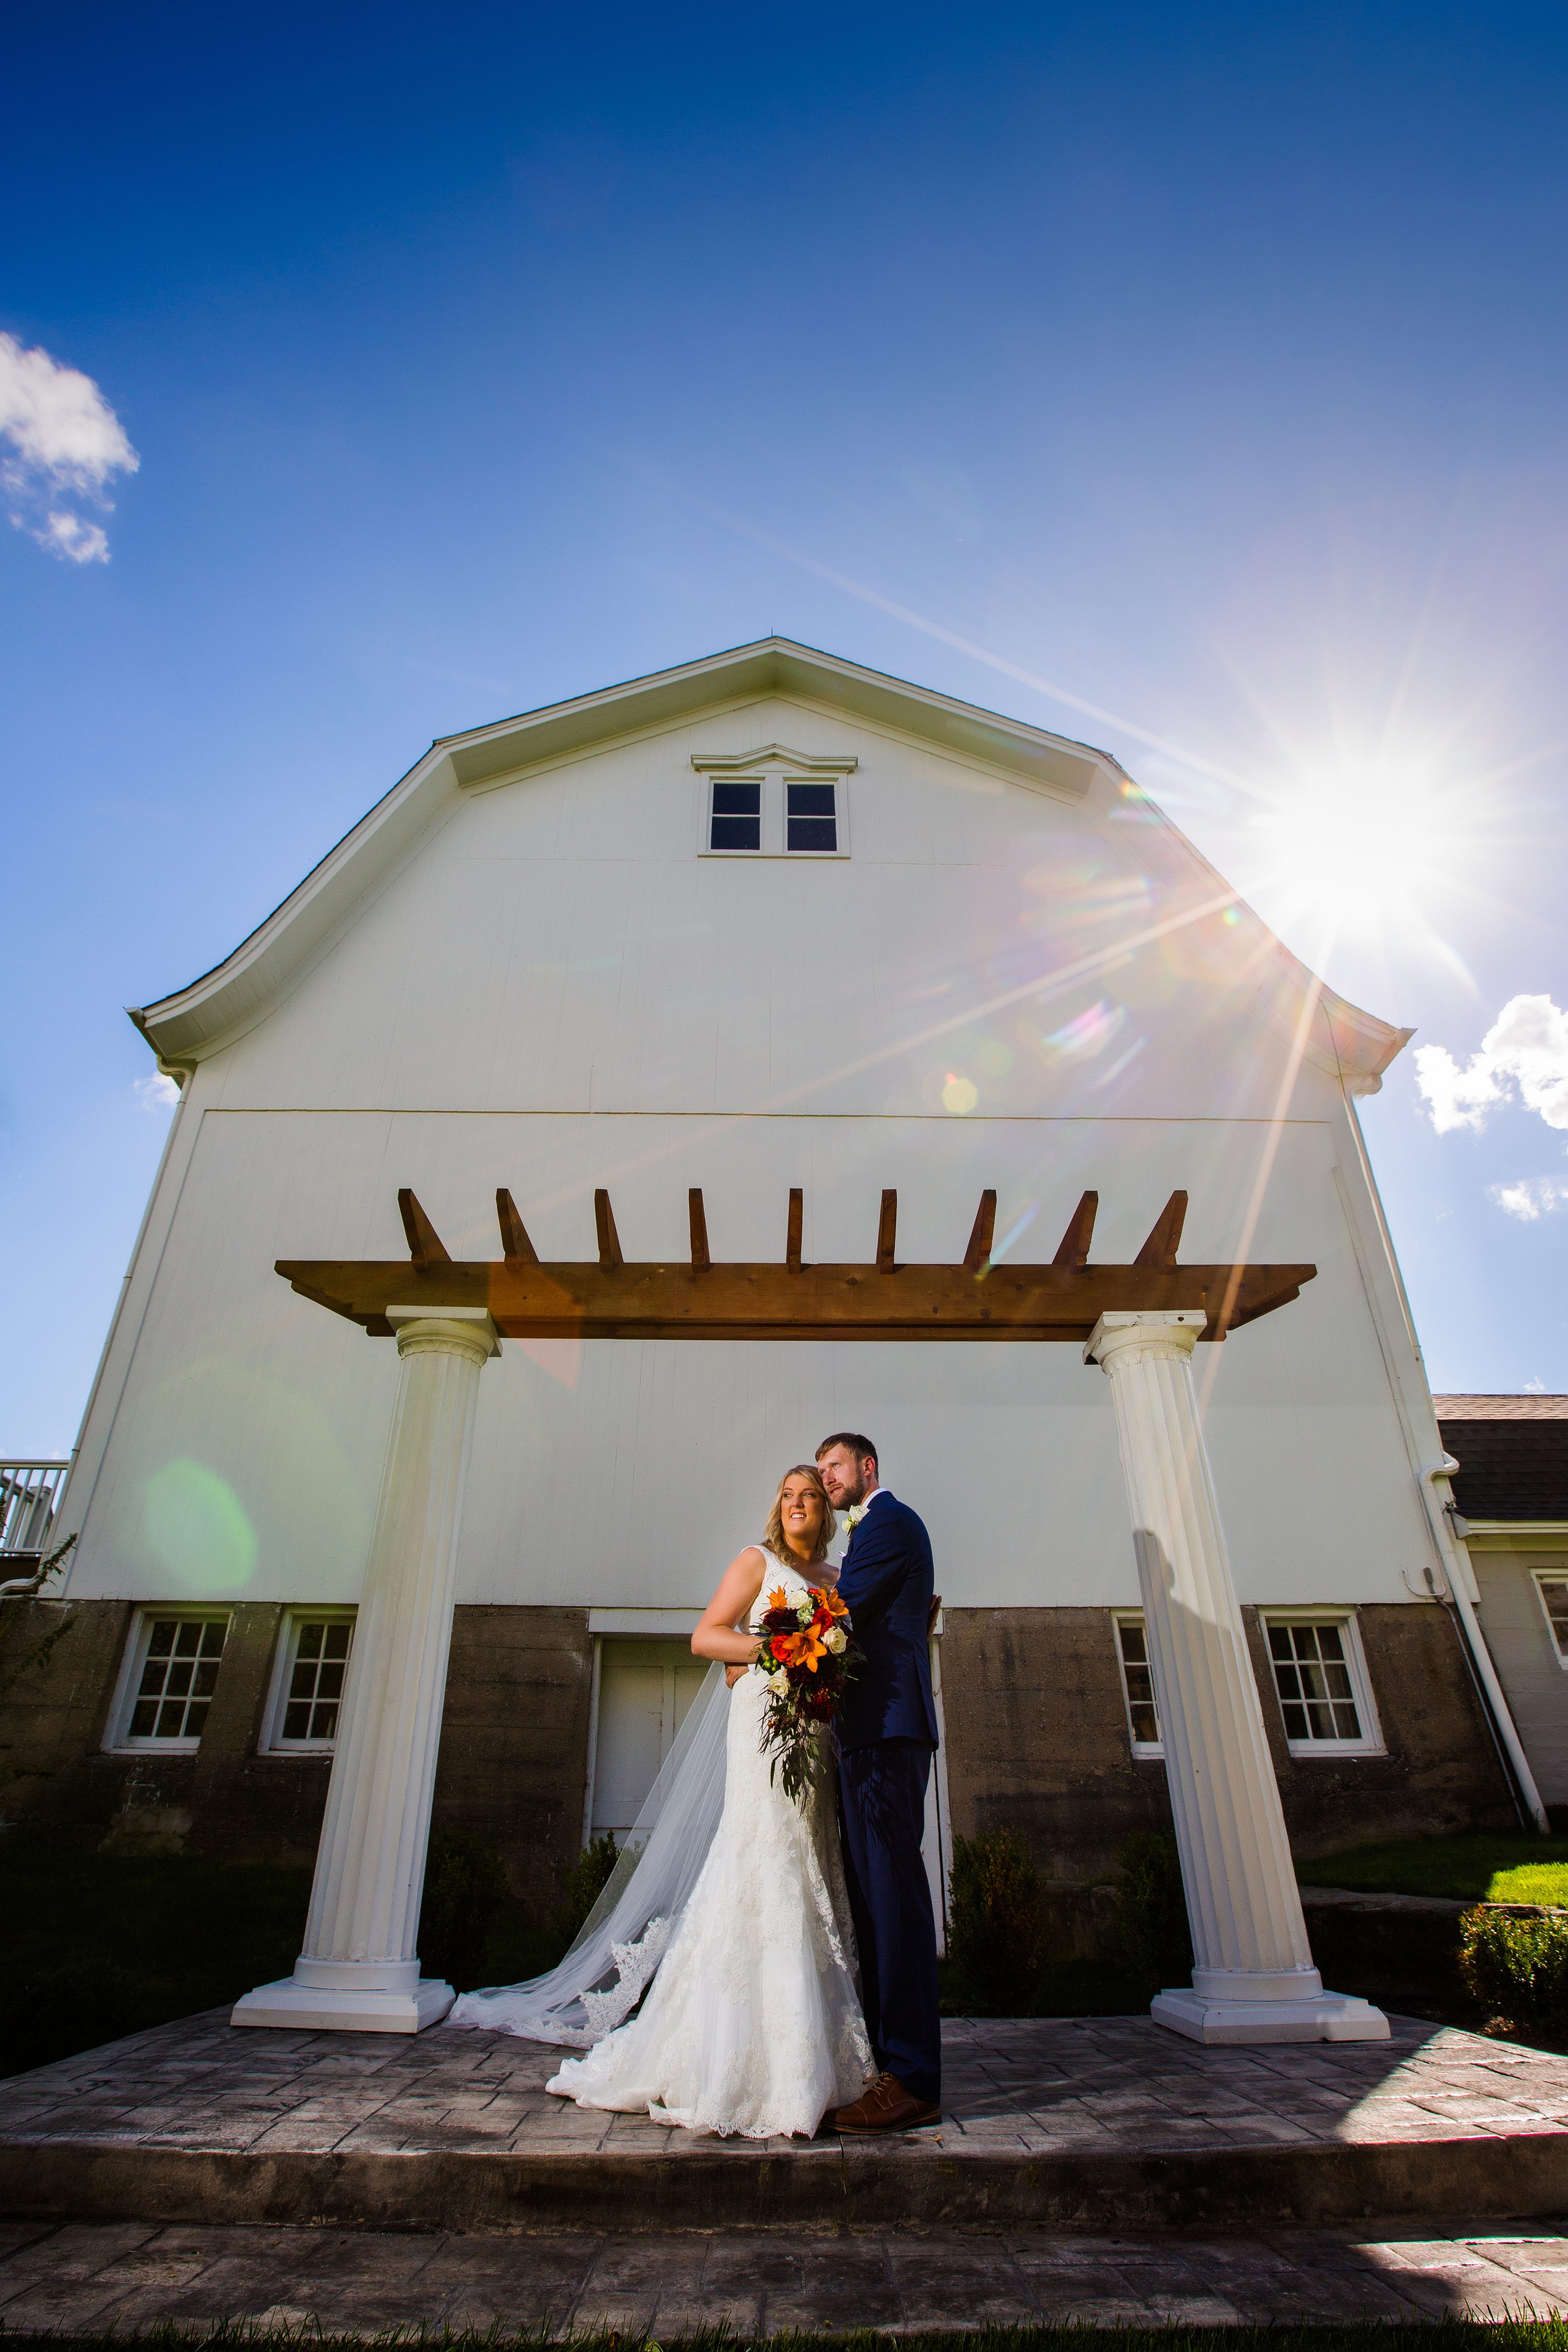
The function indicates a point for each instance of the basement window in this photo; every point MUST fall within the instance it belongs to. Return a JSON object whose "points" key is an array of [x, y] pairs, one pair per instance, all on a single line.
{"points": [[167, 1682], [307, 1696], [1552, 1592], [1138, 1686], [1320, 1678]]}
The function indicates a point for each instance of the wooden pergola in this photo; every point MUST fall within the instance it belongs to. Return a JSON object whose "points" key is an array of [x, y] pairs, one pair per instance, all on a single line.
{"points": [[358, 1971], [607, 1297]]}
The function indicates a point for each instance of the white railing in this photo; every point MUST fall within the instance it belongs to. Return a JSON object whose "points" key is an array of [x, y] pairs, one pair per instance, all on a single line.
{"points": [[28, 1493]]}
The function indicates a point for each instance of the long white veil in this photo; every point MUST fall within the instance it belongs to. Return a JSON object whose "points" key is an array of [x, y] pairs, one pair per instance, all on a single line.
{"points": [[621, 1940]]}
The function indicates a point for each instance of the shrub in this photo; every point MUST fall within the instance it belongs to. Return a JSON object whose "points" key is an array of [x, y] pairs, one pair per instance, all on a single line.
{"points": [[585, 1882], [997, 1940], [94, 1945], [1517, 1969], [465, 1890], [1151, 1909]]}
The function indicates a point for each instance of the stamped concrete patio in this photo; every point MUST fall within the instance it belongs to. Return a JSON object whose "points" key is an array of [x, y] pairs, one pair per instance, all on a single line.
{"points": [[136, 2275], [1100, 2125]]}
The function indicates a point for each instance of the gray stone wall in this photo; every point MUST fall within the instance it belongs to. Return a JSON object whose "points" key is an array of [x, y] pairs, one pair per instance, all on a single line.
{"points": [[514, 1739], [1037, 1739]]}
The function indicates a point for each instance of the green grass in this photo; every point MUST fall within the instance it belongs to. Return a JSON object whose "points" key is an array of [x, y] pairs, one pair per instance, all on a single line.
{"points": [[1530, 1882], [1367, 2336], [1474, 1867]]}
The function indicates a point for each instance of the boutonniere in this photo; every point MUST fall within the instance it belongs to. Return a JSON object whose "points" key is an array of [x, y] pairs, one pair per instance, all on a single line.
{"points": [[853, 1515]]}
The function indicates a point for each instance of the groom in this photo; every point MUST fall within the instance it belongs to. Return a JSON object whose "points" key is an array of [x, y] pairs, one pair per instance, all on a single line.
{"points": [[886, 1735]]}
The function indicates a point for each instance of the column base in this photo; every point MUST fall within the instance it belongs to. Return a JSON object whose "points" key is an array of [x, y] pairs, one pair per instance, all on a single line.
{"points": [[352, 2009], [1323, 2017]]}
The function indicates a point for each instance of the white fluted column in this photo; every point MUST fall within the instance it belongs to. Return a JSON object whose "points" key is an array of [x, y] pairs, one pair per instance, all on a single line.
{"points": [[1253, 1979], [360, 1970]]}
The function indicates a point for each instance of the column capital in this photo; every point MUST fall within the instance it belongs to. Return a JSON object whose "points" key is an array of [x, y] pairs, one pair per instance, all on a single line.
{"points": [[1135, 1335], [450, 1332]]}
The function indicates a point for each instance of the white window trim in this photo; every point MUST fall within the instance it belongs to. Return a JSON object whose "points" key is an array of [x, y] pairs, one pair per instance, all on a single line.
{"points": [[272, 1742], [655, 1623], [1371, 1742], [1550, 1575], [773, 767], [117, 1740], [937, 1843], [1154, 1748]]}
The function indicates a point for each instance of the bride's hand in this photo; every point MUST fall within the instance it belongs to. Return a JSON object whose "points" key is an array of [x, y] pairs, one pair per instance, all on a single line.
{"points": [[732, 1675]]}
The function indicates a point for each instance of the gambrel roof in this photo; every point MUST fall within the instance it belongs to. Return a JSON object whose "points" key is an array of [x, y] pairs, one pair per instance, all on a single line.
{"points": [[198, 1019]]}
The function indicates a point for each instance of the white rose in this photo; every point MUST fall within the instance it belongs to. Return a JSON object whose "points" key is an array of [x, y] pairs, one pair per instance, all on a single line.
{"points": [[838, 1640], [778, 1684]]}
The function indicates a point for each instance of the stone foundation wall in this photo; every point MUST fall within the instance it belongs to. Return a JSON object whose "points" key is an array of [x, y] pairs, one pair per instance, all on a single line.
{"points": [[1037, 1739], [1046, 1751], [225, 1800], [513, 1740]]}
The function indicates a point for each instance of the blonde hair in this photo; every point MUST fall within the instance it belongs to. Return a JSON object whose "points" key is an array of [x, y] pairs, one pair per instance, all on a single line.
{"points": [[773, 1536]]}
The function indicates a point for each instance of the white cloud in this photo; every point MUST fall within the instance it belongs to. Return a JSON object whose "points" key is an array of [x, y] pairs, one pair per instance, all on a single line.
{"points": [[1526, 1046], [1532, 1197], [67, 534], [156, 1092], [64, 442], [1459, 1097], [1535, 1388]]}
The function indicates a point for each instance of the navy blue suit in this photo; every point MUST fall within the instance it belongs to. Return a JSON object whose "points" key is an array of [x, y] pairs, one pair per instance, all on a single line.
{"points": [[886, 1735]]}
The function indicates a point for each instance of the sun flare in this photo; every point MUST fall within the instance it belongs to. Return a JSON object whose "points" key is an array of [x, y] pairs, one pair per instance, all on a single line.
{"points": [[1366, 846]]}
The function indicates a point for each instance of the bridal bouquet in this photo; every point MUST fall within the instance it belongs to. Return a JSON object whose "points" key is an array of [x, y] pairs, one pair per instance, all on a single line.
{"points": [[807, 1657]]}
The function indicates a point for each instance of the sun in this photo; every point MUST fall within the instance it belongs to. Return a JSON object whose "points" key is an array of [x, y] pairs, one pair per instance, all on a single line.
{"points": [[1369, 845]]}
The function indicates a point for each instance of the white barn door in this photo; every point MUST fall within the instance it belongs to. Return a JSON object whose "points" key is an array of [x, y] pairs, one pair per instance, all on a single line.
{"points": [[644, 1689]]}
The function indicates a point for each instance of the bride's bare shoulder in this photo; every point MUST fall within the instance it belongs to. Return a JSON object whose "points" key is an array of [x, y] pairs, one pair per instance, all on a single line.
{"points": [[740, 1583]]}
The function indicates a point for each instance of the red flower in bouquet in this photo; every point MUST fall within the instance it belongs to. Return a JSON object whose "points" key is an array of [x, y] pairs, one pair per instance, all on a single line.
{"points": [[807, 1659]]}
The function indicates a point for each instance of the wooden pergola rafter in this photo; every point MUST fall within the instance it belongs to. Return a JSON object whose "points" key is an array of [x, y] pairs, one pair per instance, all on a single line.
{"points": [[607, 1297]]}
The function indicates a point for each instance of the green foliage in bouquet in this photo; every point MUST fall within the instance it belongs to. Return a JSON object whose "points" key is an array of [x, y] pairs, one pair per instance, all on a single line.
{"points": [[809, 1657]]}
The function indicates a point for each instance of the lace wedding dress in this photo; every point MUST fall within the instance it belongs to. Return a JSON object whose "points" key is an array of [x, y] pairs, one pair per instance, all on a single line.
{"points": [[753, 2023]]}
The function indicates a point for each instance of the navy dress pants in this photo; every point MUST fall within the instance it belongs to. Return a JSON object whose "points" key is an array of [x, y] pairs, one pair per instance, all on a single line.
{"points": [[882, 1798]]}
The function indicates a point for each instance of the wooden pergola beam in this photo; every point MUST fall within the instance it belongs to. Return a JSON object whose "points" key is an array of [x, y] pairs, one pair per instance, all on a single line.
{"points": [[608, 1298]]}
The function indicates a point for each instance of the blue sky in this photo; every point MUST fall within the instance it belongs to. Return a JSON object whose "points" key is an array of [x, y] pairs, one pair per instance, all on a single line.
{"points": [[1206, 365]]}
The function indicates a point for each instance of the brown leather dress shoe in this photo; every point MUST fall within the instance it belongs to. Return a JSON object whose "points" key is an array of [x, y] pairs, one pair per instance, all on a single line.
{"points": [[888, 2105]]}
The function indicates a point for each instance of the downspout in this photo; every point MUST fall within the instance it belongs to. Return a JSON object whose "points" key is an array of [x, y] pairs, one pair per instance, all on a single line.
{"points": [[1453, 1559], [1492, 1694]]}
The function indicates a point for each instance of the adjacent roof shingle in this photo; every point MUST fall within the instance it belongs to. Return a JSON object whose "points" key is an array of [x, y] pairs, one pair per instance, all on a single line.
{"points": [[1529, 1407], [1512, 1453]]}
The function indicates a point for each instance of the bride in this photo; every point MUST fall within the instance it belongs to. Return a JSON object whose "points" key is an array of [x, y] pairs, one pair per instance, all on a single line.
{"points": [[753, 2023]]}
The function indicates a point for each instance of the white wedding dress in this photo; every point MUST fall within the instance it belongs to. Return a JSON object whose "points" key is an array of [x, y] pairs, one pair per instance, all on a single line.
{"points": [[753, 2023]]}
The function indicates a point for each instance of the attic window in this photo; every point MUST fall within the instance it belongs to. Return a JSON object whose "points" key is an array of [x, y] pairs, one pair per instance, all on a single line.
{"points": [[811, 818], [735, 820], [774, 803]]}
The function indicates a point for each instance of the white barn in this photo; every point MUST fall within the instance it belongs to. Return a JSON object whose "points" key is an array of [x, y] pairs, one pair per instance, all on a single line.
{"points": [[766, 921]]}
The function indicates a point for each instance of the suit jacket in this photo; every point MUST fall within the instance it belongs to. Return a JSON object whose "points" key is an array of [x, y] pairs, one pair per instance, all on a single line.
{"points": [[887, 1582]]}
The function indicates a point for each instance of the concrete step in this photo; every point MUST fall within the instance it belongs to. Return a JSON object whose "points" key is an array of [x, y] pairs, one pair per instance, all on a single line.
{"points": [[1088, 2124]]}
